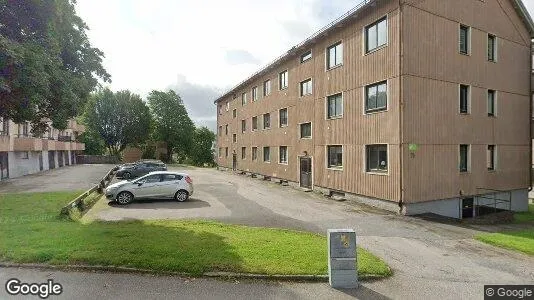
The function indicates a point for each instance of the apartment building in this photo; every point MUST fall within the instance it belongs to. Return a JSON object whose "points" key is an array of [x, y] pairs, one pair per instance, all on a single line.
{"points": [[22, 154], [411, 106]]}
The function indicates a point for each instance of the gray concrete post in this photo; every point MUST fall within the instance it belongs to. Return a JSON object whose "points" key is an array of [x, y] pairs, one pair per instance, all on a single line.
{"points": [[342, 261]]}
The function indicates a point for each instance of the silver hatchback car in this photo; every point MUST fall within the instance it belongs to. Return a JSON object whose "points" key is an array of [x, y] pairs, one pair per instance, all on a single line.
{"points": [[158, 185]]}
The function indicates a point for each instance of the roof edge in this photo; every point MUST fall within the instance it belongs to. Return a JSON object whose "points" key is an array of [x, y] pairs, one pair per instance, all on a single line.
{"points": [[523, 12], [324, 30]]}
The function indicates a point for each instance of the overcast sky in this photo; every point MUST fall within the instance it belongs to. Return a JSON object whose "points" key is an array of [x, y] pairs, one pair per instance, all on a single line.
{"points": [[200, 48]]}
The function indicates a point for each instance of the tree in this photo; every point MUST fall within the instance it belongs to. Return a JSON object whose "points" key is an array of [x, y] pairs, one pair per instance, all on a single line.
{"points": [[121, 119], [47, 65], [172, 123], [94, 145], [202, 153]]}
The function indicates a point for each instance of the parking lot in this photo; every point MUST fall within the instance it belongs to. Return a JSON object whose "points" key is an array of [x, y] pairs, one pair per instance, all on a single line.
{"points": [[429, 259]]}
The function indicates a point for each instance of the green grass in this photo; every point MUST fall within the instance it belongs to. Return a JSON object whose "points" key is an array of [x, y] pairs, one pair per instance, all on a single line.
{"points": [[524, 217], [522, 241], [30, 231]]}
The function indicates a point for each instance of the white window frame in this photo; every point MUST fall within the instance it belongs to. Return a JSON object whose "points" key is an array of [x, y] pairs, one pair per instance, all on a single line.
{"points": [[266, 83], [342, 106], [252, 123], [311, 131], [374, 172], [469, 91], [303, 54], [327, 56], [327, 160], [469, 149], [263, 121], [255, 94], [301, 91], [364, 96], [287, 119], [469, 32], [286, 81], [244, 99], [495, 48], [280, 162], [495, 165], [364, 35], [495, 96], [263, 154]]}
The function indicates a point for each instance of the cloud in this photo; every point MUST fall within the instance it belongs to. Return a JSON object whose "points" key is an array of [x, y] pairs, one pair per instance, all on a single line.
{"points": [[297, 29], [198, 99], [239, 57]]}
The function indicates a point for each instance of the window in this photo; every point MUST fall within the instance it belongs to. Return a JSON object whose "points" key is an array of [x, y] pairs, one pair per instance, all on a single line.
{"points": [[464, 158], [334, 106], [243, 152], [492, 48], [335, 156], [220, 109], [305, 131], [376, 97], [255, 93], [220, 131], [334, 56], [306, 87], [170, 177], [254, 153], [376, 35], [234, 138], [220, 152], [227, 106], [151, 179], [283, 117], [306, 56], [266, 154], [491, 103], [266, 88], [243, 126], [4, 126], [283, 80], [254, 123], [244, 99], [464, 39], [226, 129], [377, 158], [234, 113], [226, 150], [491, 157], [283, 155], [267, 121], [464, 99]]}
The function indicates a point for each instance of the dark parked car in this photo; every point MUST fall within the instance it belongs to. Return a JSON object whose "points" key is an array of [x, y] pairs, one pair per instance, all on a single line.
{"points": [[140, 168]]}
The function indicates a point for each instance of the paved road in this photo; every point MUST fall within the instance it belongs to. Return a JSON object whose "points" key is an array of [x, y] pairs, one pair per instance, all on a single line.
{"points": [[78, 285], [78, 177]]}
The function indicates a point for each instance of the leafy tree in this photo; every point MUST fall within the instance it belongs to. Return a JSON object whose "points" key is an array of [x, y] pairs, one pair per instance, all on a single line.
{"points": [[202, 153], [94, 145], [172, 123], [121, 119], [47, 65]]}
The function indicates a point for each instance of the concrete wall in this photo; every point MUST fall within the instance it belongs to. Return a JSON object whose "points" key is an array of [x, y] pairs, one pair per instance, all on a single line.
{"points": [[19, 166]]}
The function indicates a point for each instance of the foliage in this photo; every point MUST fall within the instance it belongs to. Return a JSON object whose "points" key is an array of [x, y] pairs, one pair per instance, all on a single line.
{"points": [[121, 119], [172, 123], [35, 234], [94, 145], [202, 148], [47, 65]]}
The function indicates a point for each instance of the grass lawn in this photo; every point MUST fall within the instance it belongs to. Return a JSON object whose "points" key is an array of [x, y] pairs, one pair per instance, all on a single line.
{"points": [[31, 231], [524, 217], [522, 241]]}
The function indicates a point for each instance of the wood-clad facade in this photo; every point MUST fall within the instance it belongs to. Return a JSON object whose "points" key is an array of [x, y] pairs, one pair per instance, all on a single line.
{"points": [[421, 126]]}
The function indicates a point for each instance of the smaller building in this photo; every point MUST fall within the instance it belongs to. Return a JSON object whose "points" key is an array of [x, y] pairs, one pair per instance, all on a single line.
{"points": [[21, 153]]}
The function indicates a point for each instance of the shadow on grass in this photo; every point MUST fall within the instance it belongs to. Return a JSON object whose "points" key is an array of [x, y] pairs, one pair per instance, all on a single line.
{"points": [[137, 244], [162, 203]]}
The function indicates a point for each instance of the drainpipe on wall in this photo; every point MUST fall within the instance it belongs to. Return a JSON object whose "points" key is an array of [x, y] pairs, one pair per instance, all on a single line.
{"points": [[401, 145], [530, 116]]}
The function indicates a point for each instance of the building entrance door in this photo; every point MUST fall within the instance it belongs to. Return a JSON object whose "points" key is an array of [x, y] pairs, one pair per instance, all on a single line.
{"points": [[40, 161], [306, 172], [234, 162]]}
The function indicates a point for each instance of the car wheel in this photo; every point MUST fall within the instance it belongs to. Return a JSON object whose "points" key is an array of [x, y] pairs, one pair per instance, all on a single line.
{"points": [[124, 198], [126, 175], [181, 196]]}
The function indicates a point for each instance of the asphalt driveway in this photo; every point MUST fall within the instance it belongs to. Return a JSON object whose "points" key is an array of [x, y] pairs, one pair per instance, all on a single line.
{"points": [[429, 259], [69, 178]]}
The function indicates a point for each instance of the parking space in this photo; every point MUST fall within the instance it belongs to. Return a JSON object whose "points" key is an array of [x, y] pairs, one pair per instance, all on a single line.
{"points": [[70, 178]]}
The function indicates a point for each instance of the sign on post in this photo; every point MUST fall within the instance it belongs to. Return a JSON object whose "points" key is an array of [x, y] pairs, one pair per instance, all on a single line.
{"points": [[342, 263]]}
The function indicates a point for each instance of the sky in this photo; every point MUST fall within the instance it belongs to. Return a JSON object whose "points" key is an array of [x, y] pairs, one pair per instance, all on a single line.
{"points": [[200, 48]]}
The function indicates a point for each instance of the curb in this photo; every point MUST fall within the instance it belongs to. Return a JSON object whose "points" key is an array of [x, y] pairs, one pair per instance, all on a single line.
{"points": [[221, 275]]}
